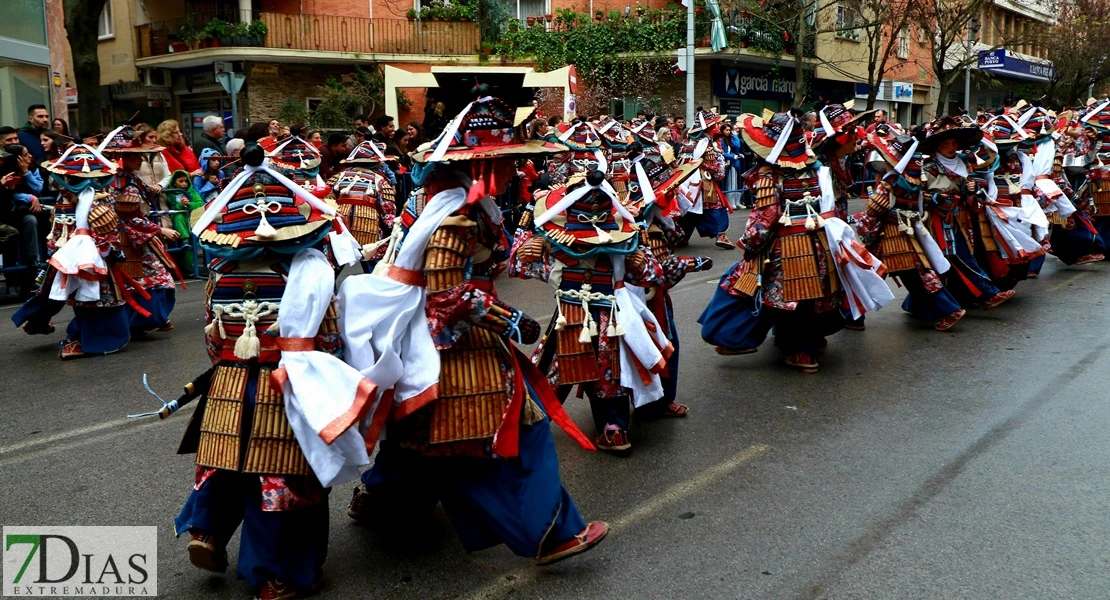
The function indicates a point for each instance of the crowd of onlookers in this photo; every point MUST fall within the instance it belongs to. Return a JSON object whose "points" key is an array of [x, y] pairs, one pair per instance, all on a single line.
{"points": [[179, 176]]}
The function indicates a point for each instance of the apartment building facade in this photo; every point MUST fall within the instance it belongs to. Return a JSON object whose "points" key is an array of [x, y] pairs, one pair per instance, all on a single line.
{"points": [[31, 58]]}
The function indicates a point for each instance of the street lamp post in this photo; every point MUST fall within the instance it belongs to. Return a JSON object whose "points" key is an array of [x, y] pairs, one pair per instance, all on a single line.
{"points": [[973, 26]]}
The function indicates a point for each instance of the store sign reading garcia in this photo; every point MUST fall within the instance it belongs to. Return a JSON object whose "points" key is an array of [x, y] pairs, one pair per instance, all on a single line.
{"points": [[732, 82]]}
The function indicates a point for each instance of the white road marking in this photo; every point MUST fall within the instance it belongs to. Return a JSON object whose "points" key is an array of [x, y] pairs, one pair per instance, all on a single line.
{"points": [[513, 580]]}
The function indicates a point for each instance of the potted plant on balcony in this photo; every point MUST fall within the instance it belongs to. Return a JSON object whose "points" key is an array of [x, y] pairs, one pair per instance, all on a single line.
{"points": [[411, 14], [598, 14], [216, 33], [189, 37], [549, 17], [531, 21], [257, 32], [239, 34]]}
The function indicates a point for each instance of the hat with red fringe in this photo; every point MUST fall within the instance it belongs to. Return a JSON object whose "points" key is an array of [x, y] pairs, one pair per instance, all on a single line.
{"points": [[705, 123], [644, 130], [777, 138], [584, 212], [82, 161], [834, 122], [262, 207], [893, 147], [966, 134], [295, 154], [487, 128], [368, 153]]}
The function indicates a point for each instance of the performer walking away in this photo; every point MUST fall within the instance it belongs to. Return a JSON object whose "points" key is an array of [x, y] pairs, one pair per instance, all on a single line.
{"points": [[952, 204], [802, 264], [146, 266], [1072, 236], [833, 140], [891, 228], [583, 141], [602, 338], [85, 267], [1095, 193], [704, 206], [469, 416], [655, 203], [366, 199], [272, 431]]}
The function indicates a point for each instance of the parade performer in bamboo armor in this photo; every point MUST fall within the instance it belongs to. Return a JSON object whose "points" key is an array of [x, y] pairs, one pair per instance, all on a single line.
{"points": [[366, 199], [469, 423], [277, 416], [953, 154], [892, 228], [802, 265]]}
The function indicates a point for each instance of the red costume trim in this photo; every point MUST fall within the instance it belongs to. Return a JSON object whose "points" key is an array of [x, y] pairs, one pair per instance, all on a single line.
{"points": [[287, 344], [405, 276], [415, 403], [551, 404], [343, 422]]}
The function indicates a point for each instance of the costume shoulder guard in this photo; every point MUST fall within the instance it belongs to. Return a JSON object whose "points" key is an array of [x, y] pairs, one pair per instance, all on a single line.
{"points": [[880, 200], [447, 254], [103, 219], [764, 188]]}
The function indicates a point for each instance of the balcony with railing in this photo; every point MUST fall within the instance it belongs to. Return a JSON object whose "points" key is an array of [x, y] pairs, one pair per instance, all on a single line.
{"points": [[319, 33]]}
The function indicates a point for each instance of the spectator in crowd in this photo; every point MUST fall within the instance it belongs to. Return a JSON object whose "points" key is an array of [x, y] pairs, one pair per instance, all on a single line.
{"points": [[386, 132], [316, 138], [38, 121], [877, 119], [154, 172], [362, 121], [212, 136], [553, 125], [234, 147], [178, 155], [678, 132], [435, 120], [59, 125], [415, 137], [274, 128], [24, 211], [257, 131], [53, 144], [809, 120], [361, 135], [207, 184], [330, 155], [8, 136]]}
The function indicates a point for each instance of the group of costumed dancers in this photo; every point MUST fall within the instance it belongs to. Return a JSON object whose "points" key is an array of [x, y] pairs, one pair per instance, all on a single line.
{"points": [[419, 356]]}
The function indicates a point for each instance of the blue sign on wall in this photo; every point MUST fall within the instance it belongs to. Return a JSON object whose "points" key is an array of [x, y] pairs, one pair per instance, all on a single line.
{"points": [[1003, 63]]}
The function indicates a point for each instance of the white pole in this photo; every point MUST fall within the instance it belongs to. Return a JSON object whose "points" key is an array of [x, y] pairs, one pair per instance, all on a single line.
{"points": [[689, 63]]}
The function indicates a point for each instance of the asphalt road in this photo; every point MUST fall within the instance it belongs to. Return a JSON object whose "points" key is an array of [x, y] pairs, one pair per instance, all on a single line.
{"points": [[965, 465]]}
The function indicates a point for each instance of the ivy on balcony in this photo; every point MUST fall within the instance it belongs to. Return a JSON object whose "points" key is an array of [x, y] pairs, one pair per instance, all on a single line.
{"points": [[589, 42]]}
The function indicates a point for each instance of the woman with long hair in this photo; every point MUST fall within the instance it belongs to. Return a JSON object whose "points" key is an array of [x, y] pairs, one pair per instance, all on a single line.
{"points": [[415, 136], [178, 154], [59, 125]]}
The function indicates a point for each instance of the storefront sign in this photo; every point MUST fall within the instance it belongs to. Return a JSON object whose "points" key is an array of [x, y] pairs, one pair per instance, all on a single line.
{"points": [[1004, 63], [738, 82], [71, 95], [889, 91], [264, 70]]}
